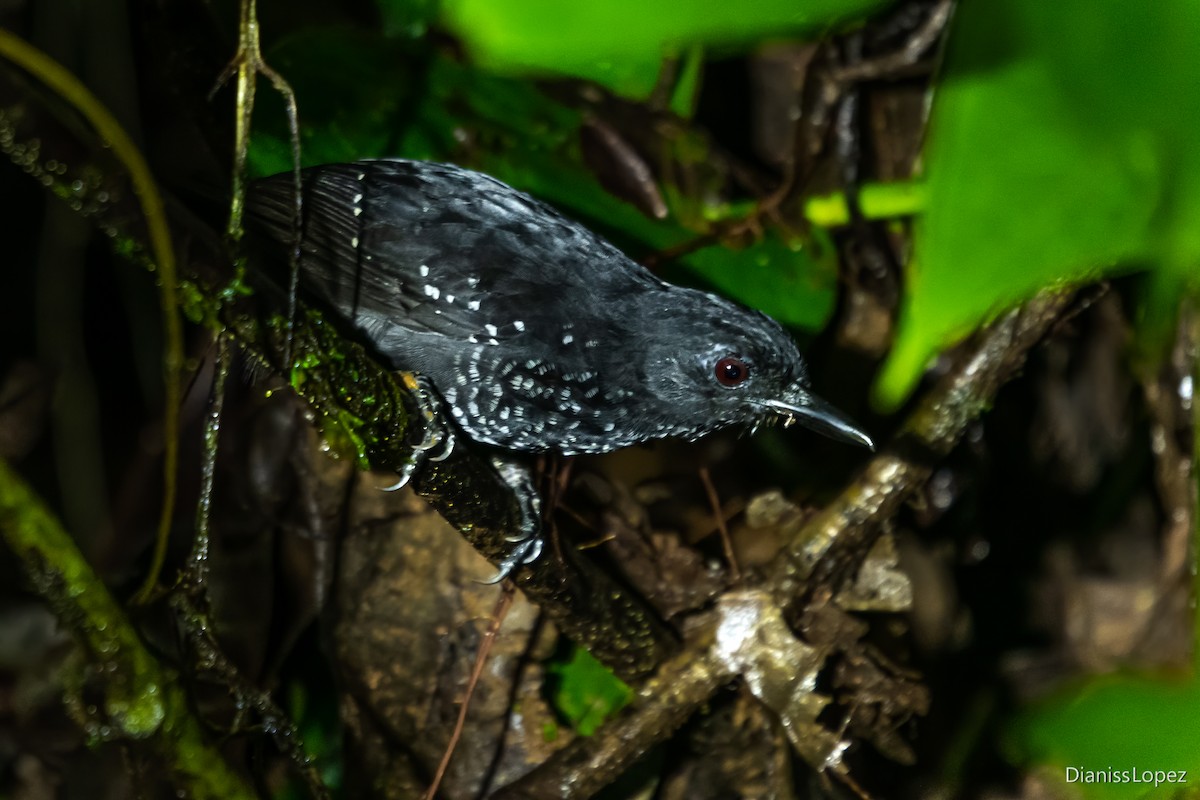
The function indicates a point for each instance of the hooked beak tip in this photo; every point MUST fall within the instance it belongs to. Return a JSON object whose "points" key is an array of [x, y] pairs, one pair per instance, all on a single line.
{"points": [[814, 413], [865, 440]]}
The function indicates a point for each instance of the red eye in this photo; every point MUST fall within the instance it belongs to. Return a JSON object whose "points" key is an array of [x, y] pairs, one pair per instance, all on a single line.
{"points": [[731, 371]]}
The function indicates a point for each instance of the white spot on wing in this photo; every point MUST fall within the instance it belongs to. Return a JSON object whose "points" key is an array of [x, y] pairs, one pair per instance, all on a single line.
{"points": [[432, 291], [568, 339]]}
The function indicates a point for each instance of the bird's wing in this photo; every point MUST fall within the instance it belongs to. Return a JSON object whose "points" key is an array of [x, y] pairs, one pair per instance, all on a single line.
{"points": [[433, 248]]}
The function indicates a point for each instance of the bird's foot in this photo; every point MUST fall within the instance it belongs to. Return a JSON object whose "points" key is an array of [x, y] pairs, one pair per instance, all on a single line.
{"points": [[430, 435], [527, 540]]}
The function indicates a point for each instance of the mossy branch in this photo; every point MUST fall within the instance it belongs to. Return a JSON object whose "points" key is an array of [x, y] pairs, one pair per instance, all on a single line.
{"points": [[143, 700]]}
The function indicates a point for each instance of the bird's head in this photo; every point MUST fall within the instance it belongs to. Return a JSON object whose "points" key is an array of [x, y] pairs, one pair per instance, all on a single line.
{"points": [[713, 360]]}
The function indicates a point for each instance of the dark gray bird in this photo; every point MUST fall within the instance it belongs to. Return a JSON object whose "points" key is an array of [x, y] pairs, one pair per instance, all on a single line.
{"points": [[538, 335]]}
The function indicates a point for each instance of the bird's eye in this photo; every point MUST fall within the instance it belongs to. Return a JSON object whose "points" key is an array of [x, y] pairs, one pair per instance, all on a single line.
{"points": [[732, 371]]}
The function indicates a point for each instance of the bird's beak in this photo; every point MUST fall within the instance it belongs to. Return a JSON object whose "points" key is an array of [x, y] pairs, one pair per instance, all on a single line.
{"points": [[814, 413]]}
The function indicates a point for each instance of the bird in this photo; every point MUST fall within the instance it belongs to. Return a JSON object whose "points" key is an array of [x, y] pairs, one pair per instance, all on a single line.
{"points": [[537, 335]]}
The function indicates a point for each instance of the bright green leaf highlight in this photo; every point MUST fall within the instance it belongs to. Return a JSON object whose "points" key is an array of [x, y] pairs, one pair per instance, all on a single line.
{"points": [[1116, 724], [875, 201], [620, 43], [687, 85], [586, 692], [1062, 147]]}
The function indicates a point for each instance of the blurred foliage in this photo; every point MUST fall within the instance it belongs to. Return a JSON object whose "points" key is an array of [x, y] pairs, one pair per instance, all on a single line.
{"points": [[1129, 725], [620, 44], [316, 716], [1061, 149]]}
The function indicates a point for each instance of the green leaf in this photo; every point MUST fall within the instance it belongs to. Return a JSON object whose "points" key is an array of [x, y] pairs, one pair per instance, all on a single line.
{"points": [[1122, 724], [1061, 148], [620, 43], [586, 692], [347, 113], [790, 281]]}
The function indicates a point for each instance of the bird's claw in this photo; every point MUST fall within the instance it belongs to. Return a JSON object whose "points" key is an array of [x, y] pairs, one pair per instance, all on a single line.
{"points": [[436, 441], [528, 540], [526, 552]]}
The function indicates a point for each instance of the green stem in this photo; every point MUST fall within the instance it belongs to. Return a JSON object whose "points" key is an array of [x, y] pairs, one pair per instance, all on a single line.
{"points": [[875, 200], [56, 77]]}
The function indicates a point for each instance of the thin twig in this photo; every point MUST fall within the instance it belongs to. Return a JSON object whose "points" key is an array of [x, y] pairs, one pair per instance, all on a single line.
{"points": [[248, 63], [719, 516], [197, 563], [507, 591]]}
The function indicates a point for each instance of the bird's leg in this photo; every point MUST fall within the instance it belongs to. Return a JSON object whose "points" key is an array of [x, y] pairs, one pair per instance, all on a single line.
{"points": [[527, 539], [431, 438], [430, 434]]}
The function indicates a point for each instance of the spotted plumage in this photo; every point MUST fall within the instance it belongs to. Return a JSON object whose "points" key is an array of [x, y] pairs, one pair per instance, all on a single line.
{"points": [[538, 335]]}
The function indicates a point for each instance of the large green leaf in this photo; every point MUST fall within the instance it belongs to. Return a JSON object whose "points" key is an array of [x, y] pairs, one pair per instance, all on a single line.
{"points": [[1062, 147], [620, 43]]}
